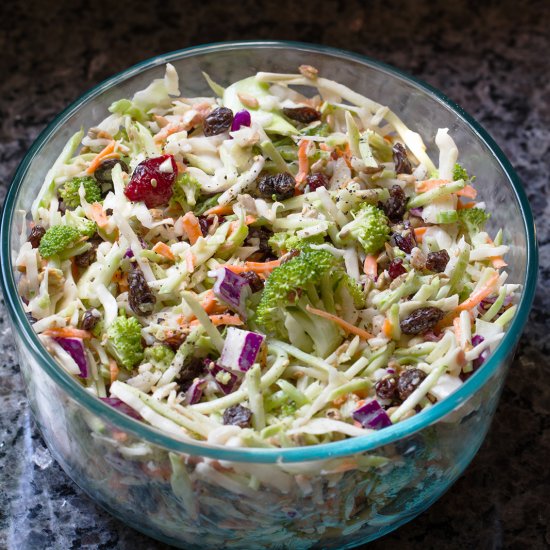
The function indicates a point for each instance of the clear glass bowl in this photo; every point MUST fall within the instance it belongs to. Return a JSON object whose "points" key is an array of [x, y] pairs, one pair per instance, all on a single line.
{"points": [[336, 495]]}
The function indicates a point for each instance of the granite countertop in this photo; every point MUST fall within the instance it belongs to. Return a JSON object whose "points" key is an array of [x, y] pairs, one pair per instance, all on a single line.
{"points": [[491, 58]]}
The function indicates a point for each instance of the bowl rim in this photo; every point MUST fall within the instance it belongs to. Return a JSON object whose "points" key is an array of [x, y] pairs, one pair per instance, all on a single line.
{"points": [[256, 455]]}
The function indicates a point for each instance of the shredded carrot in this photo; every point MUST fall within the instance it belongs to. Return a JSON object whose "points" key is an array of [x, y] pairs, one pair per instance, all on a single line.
{"points": [[67, 332], [219, 210], [98, 215], [211, 305], [113, 369], [465, 205], [190, 261], [348, 327], [479, 294], [347, 156], [303, 163], [370, 267], [419, 233], [123, 285], [324, 147], [192, 227], [497, 261], [224, 319], [467, 191], [387, 328], [181, 167], [164, 250], [428, 185], [257, 267], [234, 225], [168, 130], [456, 326], [108, 149]]}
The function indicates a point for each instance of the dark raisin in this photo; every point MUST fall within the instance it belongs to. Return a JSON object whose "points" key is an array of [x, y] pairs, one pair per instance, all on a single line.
{"points": [[421, 320], [193, 368], [386, 387], [259, 236], [103, 171], [140, 297], [61, 207], [396, 268], [205, 223], [405, 241], [408, 381], [302, 114], [109, 211], [402, 163], [30, 317], [437, 261], [314, 181], [218, 121], [35, 236], [88, 258], [237, 416], [395, 206], [254, 280], [289, 255], [90, 319], [281, 186]]}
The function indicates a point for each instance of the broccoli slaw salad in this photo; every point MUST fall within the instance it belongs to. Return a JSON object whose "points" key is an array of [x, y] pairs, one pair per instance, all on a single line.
{"points": [[263, 268]]}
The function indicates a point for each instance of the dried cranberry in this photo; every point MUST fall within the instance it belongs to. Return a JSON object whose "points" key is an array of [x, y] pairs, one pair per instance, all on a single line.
{"points": [[405, 242], [90, 319], [237, 416], [437, 261], [302, 114], [254, 280], [396, 268], [402, 163], [408, 381], [103, 171], [395, 206], [314, 181], [218, 121], [151, 185], [279, 185], [205, 223], [140, 297], [421, 320], [386, 387], [35, 236]]}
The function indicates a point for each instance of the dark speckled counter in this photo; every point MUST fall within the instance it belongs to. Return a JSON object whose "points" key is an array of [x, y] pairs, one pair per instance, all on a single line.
{"points": [[490, 57]]}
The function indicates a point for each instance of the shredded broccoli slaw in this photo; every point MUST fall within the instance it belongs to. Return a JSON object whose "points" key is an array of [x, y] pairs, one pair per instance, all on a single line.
{"points": [[263, 268]]}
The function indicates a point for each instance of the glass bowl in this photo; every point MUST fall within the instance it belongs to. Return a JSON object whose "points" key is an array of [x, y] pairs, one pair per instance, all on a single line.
{"points": [[335, 495]]}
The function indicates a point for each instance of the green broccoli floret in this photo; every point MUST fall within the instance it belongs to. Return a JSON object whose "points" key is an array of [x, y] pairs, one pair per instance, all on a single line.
{"points": [[283, 242], [86, 227], [369, 227], [472, 220], [185, 190], [322, 130], [160, 356], [459, 173], [57, 239], [124, 341], [70, 195]]}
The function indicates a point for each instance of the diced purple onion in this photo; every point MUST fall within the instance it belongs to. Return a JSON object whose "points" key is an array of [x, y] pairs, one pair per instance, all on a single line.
{"points": [[476, 363], [240, 349], [232, 289], [116, 403], [431, 336], [416, 211], [194, 393], [477, 339], [242, 118], [75, 348], [372, 416], [129, 253], [228, 388]]}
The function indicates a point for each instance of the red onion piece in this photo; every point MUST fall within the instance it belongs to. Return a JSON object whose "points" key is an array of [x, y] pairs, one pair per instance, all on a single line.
{"points": [[228, 387], [121, 406], [242, 118], [75, 348], [194, 393], [372, 415], [241, 349], [232, 289]]}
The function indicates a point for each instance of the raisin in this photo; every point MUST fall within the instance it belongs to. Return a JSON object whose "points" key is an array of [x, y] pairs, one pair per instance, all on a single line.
{"points": [[405, 241], [205, 223], [103, 171], [408, 381], [289, 255], [254, 280], [218, 121], [437, 261], [302, 114], [35, 236], [279, 185], [421, 320], [140, 297], [151, 185], [314, 181], [191, 369], [402, 163], [88, 258], [30, 317], [396, 268], [395, 206], [90, 319], [237, 416], [61, 207], [259, 236], [386, 387]]}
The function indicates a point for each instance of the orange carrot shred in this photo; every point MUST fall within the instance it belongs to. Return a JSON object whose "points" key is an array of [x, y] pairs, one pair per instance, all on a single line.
{"points": [[303, 163], [67, 332], [419, 233], [257, 267], [370, 267], [98, 215], [387, 328], [164, 250], [108, 149], [113, 370], [467, 191], [427, 185], [223, 319], [219, 210], [479, 294], [348, 327], [192, 227]]}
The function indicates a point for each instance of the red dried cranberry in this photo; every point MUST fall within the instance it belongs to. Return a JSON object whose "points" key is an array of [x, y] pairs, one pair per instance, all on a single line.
{"points": [[396, 268], [314, 181], [149, 184]]}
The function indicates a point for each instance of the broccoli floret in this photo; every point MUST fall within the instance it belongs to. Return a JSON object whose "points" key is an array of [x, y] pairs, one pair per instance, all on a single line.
{"points": [[160, 356], [322, 130], [459, 173], [185, 190], [57, 239], [124, 341], [70, 195], [283, 242], [369, 227], [472, 220], [86, 227]]}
